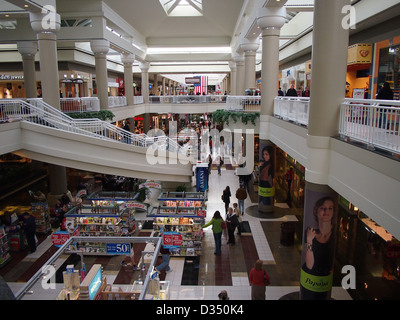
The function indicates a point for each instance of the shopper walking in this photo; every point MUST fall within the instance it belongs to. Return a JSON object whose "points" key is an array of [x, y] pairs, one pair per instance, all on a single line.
{"points": [[216, 223], [258, 279], [231, 224], [241, 195], [226, 198], [220, 163], [29, 226]]}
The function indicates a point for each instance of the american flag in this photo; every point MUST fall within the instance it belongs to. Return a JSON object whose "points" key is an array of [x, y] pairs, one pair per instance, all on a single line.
{"points": [[202, 87]]}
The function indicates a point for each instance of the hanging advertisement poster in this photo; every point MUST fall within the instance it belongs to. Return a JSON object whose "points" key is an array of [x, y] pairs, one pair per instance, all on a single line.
{"points": [[266, 184], [201, 177], [316, 275]]}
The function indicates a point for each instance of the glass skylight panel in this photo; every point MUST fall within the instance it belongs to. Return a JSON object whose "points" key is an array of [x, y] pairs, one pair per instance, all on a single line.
{"points": [[182, 8]]}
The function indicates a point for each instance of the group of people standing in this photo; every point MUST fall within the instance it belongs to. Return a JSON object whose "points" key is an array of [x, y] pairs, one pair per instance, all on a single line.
{"points": [[233, 218]]}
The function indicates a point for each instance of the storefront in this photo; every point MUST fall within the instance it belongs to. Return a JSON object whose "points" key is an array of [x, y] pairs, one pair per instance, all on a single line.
{"points": [[387, 65], [12, 85], [374, 253], [284, 163], [358, 77]]}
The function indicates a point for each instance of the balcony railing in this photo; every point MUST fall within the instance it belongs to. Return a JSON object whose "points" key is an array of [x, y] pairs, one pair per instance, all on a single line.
{"points": [[294, 109], [188, 99], [373, 122], [117, 101], [243, 103]]}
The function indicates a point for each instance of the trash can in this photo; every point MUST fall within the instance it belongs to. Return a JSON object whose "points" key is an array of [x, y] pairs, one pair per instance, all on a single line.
{"points": [[287, 233]]}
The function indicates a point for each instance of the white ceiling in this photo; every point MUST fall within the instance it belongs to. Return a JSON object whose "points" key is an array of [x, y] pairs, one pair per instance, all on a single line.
{"points": [[214, 28]]}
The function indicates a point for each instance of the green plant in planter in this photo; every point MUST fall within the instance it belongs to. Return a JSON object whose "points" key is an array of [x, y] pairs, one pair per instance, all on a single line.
{"points": [[102, 115], [181, 188], [222, 116]]}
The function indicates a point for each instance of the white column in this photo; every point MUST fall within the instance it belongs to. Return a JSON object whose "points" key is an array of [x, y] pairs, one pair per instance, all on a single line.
{"points": [[249, 47], [239, 59], [144, 67], [163, 86], [329, 57], [47, 43], [127, 60], [270, 21], [28, 50], [232, 66], [100, 49]]}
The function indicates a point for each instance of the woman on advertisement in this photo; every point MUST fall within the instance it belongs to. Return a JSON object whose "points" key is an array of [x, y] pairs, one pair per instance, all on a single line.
{"points": [[266, 190], [316, 273]]}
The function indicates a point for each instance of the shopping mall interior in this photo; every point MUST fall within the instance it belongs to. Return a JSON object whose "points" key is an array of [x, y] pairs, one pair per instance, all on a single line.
{"points": [[124, 123]]}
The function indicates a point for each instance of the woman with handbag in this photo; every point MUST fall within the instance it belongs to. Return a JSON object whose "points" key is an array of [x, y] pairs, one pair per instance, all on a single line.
{"points": [[258, 279], [217, 225]]}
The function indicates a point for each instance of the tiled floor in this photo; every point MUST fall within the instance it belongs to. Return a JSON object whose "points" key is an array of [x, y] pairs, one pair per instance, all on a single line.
{"points": [[226, 272]]}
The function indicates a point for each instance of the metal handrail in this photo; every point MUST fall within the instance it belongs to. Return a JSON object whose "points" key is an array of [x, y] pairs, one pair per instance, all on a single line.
{"points": [[39, 112]]}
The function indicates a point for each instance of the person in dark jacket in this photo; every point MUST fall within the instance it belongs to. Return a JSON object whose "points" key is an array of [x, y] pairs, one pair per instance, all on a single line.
{"points": [[291, 92], [226, 198], [29, 226], [385, 93]]}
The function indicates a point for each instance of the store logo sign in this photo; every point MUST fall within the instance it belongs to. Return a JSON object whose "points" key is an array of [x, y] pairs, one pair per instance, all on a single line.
{"points": [[349, 20]]}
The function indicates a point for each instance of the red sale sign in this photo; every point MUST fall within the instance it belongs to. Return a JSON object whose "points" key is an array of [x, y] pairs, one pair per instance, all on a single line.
{"points": [[172, 239], [59, 238]]}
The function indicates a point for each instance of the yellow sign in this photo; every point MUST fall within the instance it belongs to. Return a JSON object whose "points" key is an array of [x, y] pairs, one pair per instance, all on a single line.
{"points": [[359, 53]]}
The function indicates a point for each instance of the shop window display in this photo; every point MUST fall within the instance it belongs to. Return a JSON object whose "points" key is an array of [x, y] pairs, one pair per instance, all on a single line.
{"points": [[389, 68]]}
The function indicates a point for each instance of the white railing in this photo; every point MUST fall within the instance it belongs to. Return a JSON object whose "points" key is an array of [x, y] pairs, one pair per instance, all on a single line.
{"points": [[188, 99], [293, 109], [138, 100], [243, 103], [83, 104], [373, 122], [41, 113], [117, 101]]}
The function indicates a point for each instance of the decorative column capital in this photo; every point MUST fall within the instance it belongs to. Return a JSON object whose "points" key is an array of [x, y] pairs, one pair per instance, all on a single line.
{"points": [[144, 66], [250, 45], [27, 48], [127, 58], [232, 65], [271, 17], [45, 21], [101, 46]]}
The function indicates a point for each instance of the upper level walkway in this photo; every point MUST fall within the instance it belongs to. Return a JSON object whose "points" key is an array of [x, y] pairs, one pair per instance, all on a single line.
{"points": [[41, 132]]}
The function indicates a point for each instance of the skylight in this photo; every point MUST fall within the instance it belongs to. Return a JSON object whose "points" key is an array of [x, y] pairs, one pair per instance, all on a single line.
{"points": [[182, 8]]}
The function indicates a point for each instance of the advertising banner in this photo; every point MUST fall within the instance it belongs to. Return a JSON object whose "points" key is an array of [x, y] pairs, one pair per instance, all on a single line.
{"points": [[320, 215], [201, 177], [266, 185], [172, 239]]}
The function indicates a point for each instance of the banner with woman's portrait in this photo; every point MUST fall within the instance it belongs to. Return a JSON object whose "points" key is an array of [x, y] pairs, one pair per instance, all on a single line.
{"points": [[266, 180], [319, 229]]}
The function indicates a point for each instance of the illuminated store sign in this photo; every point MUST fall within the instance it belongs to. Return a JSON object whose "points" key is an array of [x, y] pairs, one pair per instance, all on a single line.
{"points": [[10, 77]]}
